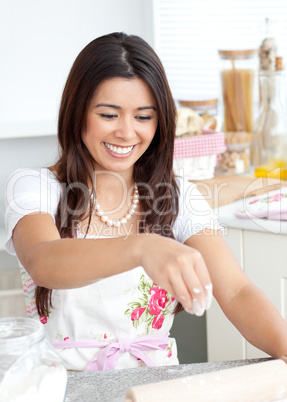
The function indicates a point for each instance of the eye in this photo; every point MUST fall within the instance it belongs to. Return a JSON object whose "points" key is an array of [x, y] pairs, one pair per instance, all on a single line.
{"points": [[108, 116], [143, 118]]}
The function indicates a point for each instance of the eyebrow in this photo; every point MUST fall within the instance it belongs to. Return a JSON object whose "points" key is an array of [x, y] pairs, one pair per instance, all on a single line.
{"points": [[118, 107]]}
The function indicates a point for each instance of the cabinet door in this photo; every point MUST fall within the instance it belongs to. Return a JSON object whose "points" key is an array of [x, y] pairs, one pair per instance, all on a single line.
{"points": [[265, 261], [224, 342]]}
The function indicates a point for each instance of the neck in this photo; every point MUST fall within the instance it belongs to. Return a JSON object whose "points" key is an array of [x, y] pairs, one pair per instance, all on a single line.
{"points": [[110, 182]]}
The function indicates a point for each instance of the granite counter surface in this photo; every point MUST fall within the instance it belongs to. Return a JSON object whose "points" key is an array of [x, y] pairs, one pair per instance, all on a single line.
{"points": [[111, 386]]}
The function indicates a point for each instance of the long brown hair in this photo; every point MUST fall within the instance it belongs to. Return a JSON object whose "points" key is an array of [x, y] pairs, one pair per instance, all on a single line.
{"points": [[109, 56]]}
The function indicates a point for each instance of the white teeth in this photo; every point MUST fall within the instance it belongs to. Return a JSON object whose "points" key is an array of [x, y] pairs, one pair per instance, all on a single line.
{"points": [[118, 150]]}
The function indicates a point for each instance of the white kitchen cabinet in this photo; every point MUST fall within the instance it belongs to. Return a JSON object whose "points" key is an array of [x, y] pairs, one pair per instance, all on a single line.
{"points": [[265, 261], [261, 251], [224, 342]]}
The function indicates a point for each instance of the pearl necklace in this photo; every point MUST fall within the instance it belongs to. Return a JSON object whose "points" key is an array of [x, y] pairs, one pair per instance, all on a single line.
{"points": [[117, 222]]}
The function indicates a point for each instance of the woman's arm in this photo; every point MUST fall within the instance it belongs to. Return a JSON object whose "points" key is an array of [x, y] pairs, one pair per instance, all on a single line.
{"points": [[57, 263], [242, 302]]}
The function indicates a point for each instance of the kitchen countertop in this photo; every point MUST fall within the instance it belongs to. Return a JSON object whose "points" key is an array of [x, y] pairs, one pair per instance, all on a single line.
{"points": [[111, 385], [225, 189], [226, 194]]}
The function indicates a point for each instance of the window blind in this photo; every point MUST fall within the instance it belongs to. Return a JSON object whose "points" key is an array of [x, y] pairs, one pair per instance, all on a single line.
{"points": [[188, 34]]}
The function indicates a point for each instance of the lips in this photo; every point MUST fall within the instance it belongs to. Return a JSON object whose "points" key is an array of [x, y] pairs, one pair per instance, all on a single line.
{"points": [[119, 152]]}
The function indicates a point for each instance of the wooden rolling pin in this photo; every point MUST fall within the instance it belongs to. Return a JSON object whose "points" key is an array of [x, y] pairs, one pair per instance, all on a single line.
{"points": [[258, 382]]}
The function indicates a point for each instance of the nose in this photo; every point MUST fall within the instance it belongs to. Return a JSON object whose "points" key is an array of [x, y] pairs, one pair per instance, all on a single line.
{"points": [[125, 129]]}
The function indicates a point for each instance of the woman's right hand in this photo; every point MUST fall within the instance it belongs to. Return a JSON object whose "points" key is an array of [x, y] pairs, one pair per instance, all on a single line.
{"points": [[179, 269]]}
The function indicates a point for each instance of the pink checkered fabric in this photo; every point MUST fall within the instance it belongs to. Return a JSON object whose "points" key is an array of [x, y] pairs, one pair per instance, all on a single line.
{"points": [[208, 143]]}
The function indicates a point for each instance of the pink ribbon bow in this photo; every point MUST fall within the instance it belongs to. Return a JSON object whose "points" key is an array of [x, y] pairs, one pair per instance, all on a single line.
{"points": [[107, 357]]}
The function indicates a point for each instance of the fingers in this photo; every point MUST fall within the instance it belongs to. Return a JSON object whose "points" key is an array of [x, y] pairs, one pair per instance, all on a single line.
{"points": [[204, 278], [181, 270], [193, 288], [181, 293], [200, 306], [208, 296]]}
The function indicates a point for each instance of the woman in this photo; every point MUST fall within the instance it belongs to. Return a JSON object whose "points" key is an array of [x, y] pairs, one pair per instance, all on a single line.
{"points": [[110, 243]]}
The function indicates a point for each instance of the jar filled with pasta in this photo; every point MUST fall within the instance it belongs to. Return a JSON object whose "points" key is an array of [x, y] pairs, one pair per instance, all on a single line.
{"points": [[239, 88]]}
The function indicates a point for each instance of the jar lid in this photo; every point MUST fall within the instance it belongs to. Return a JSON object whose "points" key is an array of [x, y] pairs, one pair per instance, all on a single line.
{"points": [[19, 331], [199, 104], [238, 54]]}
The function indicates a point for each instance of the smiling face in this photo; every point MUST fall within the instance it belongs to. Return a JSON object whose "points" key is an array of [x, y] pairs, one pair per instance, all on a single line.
{"points": [[121, 123]]}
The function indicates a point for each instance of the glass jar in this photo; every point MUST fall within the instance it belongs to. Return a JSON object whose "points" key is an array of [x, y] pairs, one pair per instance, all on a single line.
{"points": [[238, 72], [236, 158], [30, 369], [206, 108], [270, 128]]}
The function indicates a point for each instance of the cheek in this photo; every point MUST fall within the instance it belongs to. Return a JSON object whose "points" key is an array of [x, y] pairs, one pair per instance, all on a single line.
{"points": [[89, 135], [94, 131], [95, 125]]}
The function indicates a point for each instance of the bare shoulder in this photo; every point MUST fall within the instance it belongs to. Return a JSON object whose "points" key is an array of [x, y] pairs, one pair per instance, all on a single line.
{"points": [[53, 169]]}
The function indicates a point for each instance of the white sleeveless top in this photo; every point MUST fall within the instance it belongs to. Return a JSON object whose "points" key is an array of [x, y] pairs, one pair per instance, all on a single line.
{"points": [[124, 306]]}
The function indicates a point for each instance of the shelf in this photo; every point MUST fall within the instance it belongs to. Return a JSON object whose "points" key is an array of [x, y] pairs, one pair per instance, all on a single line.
{"points": [[41, 128]]}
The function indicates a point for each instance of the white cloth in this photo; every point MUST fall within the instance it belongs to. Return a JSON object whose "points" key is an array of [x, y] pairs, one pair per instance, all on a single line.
{"points": [[126, 305]]}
